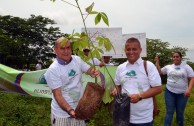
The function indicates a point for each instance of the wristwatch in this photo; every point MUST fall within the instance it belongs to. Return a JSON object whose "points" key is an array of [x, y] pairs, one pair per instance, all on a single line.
{"points": [[140, 98]]}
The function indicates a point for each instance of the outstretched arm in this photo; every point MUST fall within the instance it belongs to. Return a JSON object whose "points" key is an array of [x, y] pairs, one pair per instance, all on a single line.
{"points": [[158, 65]]}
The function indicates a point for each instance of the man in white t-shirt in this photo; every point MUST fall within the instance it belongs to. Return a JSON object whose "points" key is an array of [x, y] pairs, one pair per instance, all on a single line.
{"points": [[64, 79], [132, 79], [106, 60]]}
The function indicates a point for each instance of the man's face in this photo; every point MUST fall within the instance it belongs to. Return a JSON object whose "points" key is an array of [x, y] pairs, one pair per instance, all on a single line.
{"points": [[132, 51], [86, 52], [63, 52], [106, 59]]}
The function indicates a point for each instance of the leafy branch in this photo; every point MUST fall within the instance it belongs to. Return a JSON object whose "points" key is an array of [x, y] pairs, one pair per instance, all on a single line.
{"points": [[83, 40]]}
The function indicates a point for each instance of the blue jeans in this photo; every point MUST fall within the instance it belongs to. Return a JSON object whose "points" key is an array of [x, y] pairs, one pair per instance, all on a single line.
{"points": [[174, 102], [142, 124]]}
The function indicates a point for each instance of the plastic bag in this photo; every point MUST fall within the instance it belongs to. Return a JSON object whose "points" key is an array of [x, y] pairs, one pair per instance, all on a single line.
{"points": [[121, 110]]}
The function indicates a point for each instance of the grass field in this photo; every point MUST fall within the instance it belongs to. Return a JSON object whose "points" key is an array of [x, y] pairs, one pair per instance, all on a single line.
{"points": [[18, 110]]}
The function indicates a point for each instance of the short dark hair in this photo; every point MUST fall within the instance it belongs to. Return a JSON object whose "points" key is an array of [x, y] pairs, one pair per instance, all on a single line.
{"points": [[132, 39], [177, 53]]}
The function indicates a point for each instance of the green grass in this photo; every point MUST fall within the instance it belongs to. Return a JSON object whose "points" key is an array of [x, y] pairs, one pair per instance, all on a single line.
{"points": [[18, 110]]}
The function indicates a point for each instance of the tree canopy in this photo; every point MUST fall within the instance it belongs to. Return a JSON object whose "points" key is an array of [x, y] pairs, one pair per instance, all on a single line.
{"points": [[25, 41]]}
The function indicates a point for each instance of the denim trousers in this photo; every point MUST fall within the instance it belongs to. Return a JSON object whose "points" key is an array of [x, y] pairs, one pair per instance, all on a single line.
{"points": [[174, 102]]}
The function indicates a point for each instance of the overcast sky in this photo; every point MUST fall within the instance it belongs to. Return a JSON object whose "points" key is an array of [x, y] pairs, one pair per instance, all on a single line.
{"points": [[168, 20]]}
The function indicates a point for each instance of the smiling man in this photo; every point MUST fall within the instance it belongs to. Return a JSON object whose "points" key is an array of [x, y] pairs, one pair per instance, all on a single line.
{"points": [[64, 79], [132, 78]]}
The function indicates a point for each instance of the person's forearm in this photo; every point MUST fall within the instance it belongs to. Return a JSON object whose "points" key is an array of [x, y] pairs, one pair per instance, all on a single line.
{"points": [[151, 92], [60, 100], [158, 68], [191, 83]]}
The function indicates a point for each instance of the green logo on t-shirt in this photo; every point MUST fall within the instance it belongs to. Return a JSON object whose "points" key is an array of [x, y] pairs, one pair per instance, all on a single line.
{"points": [[131, 73], [72, 73]]}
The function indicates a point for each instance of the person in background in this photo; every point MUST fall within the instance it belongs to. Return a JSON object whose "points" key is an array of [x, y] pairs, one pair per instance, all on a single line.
{"points": [[64, 79], [177, 90], [38, 66], [131, 78], [106, 60], [97, 62], [25, 67]]}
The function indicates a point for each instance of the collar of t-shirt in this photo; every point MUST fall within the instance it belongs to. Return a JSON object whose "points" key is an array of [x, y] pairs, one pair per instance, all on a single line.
{"points": [[178, 65], [139, 61], [62, 62]]}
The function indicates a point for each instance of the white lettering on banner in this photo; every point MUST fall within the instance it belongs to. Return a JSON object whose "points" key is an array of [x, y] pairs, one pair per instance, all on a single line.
{"points": [[40, 91]]}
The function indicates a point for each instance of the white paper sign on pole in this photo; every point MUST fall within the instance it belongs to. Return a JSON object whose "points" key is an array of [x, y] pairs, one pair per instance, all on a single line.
{"points": [[117, 39]]}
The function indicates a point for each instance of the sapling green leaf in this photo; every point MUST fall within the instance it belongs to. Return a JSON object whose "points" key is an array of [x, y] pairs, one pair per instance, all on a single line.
{"points": [[105, 18], [89, 8], [97, 18]]}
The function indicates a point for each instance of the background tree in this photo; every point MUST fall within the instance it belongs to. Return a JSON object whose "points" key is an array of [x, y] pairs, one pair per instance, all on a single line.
{"points": [[26, 40], [162, 49], [191, 64]]}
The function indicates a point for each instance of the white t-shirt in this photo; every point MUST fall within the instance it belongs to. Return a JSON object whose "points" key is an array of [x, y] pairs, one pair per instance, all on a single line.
{"points": [[177, 77], [134, 80], [68, 77], [96, 61]]}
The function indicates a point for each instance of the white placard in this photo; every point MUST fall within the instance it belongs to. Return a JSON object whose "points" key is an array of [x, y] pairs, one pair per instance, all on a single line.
{"points": [[117, 39]]}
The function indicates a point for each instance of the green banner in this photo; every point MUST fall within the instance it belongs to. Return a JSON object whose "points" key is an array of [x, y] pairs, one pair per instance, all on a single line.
{"points": [[33, 83]]}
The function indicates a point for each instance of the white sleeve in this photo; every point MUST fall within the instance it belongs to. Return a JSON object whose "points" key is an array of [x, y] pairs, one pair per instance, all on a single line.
{"points": [[153, 75], [96, 62], [189, 70], [117, 77], [83, 65], [164, 69]]}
